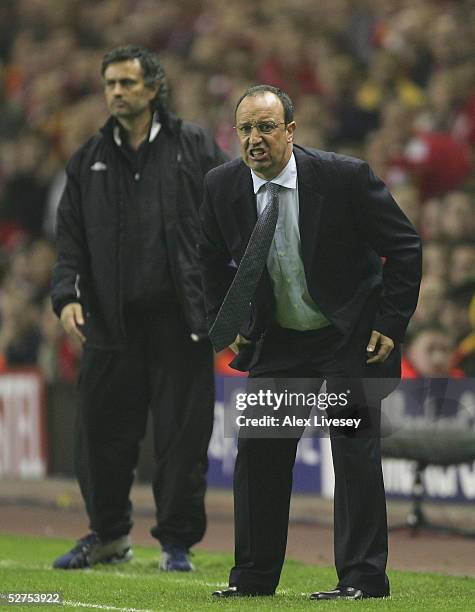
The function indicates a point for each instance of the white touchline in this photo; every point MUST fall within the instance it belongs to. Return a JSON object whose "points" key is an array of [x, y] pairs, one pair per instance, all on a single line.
{"points": [[81, 604], [17, 564], [41, 568]]}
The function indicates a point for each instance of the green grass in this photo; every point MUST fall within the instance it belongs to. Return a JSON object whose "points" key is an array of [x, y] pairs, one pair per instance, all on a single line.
{"points": [[25, 566]]}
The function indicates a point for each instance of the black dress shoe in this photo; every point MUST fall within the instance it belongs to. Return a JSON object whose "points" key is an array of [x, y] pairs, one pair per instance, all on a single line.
{"points": [[343, 592], [235, 592]]}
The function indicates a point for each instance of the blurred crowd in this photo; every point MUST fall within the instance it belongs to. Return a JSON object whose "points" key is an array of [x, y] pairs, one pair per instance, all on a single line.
{"points": [[391, 81]]}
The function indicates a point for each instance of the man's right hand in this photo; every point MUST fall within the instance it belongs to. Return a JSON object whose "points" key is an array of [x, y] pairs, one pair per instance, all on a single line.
{"points": [[71, 318]]}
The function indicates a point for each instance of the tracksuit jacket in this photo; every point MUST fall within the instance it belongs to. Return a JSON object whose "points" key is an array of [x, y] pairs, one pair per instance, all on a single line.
{"points": [[91, 233]]}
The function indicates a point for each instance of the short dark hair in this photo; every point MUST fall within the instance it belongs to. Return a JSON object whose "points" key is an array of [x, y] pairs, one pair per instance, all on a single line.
{"points": [[283, 97], [153, 71]]}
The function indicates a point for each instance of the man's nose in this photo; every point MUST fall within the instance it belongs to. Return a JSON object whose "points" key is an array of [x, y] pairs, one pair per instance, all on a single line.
{"points": [[117, 90], [255, 135]]}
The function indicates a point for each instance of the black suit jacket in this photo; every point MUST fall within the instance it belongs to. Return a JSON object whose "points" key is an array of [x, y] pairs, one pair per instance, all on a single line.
{"points": [[348, 221]]}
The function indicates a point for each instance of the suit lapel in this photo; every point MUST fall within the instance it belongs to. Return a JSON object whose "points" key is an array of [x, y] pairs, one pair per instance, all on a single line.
{"points": [[310, 206], [243, 206]]}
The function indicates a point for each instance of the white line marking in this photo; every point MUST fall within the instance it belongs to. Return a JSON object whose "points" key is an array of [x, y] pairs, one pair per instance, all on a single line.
{"points": [[6, 563], [81, 604], [37, 567], [16, 564], [97, 572]]}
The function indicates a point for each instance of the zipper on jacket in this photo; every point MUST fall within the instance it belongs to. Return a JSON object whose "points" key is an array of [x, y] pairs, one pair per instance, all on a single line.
{"points": [[120, 253], [76, 286]]}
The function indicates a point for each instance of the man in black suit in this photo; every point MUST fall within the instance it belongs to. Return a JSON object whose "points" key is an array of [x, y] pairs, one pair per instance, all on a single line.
{"points": [[325, 307]]}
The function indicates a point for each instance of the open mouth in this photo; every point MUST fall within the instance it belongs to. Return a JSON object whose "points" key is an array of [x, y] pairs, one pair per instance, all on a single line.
{"points": [[257, 154]]}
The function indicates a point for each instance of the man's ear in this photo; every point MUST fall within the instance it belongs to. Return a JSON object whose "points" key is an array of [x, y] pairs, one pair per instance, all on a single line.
{"points": [[155, 90], [290, 128]]}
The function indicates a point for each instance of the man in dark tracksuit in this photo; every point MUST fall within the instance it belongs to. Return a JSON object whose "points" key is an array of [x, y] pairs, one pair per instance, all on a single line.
{"points": [[127, 285]]}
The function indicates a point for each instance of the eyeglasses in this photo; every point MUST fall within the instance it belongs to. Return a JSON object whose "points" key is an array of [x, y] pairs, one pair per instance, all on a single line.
{"points": [[264, 127]]}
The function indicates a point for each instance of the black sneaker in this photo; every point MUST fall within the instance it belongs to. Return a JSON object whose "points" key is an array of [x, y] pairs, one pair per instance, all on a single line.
{"points": [[89, 550]]}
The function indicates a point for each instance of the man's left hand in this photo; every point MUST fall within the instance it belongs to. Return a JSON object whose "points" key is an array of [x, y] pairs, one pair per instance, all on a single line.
{"points": [[379, 347]]}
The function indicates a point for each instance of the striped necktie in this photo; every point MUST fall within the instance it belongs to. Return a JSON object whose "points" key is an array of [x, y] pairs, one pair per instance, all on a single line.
{"points": [[235, 306]]}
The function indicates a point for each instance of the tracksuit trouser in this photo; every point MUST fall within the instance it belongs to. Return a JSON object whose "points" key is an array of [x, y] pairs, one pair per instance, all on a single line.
{"points": [[167, 374]]}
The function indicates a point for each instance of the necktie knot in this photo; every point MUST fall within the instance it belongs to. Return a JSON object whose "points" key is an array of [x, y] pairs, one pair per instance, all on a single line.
{"points": [[273, 189]]}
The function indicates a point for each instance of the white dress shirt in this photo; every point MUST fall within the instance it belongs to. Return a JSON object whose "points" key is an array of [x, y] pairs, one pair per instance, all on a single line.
{"points": [[295, 309]]}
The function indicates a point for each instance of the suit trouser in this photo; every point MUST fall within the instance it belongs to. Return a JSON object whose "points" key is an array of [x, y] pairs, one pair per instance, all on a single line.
{"points": [[263, 483], [165, 372]]}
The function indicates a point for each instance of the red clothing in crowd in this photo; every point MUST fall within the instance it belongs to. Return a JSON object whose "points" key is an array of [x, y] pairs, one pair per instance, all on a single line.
{"points": [[408, 370], [438, 162], [464, 124]]}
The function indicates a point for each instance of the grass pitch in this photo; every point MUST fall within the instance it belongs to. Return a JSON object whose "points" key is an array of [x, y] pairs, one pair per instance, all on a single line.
{"points": [[138, 586]]}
